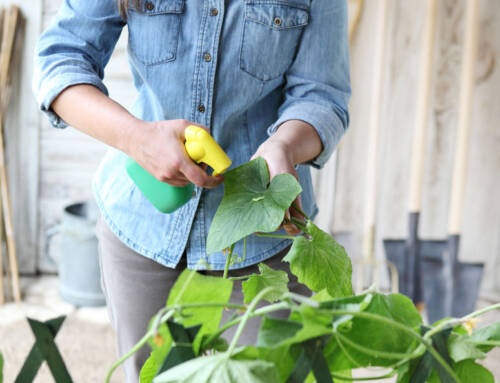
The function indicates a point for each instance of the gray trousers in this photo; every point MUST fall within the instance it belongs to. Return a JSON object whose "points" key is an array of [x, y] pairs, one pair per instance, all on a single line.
{"points": [[137, 287]]}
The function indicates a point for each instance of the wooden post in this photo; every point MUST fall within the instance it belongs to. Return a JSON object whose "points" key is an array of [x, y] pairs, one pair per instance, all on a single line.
{"points": [[10, 28]]}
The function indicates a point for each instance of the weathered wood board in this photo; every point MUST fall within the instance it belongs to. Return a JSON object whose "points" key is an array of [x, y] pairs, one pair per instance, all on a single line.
{"points": [[481, 229]]}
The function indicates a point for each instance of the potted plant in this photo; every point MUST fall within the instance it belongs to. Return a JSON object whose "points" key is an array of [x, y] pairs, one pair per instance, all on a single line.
{"points": [[325, 337]]}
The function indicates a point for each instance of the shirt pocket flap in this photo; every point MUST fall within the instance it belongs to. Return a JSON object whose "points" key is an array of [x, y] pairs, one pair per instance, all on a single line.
{"points": [[277, 16], [159, 7]]}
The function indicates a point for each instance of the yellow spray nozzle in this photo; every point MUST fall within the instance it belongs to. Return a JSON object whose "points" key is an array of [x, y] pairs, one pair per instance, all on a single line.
{"points": [[201, 147]]}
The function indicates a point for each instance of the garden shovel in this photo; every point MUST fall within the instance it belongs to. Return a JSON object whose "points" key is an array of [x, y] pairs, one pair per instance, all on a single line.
{"points": [[451, 287], [405, 254]]}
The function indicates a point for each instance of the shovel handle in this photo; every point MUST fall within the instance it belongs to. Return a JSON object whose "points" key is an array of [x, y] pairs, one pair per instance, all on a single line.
{"points": [[464, 116], [376, 106], [422, 108]]}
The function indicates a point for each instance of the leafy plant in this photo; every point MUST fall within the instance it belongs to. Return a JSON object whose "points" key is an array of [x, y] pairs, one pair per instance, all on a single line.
{"points": [[325, 337]]}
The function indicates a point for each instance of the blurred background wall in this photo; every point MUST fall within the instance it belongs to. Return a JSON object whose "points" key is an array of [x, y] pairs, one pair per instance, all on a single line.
{"points": [[51, 168]]}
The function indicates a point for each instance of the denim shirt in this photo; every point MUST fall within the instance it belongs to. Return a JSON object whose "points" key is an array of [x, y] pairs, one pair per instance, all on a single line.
{"points": [[239, 67]]}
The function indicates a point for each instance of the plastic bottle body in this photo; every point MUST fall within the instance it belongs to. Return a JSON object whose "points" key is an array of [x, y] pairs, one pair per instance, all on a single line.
{"points": [[164, 197]]}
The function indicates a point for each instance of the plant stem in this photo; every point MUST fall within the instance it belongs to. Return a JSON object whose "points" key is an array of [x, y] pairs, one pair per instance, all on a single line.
{"points": [[302, 299], [244, 321], [136, 348], [184, 287], [495, 343], [386, 376], [226, 267], [456, 321], [296, 207], [275, 235], [244, 248], [370, 351], [481, 312], [208, 304], [239, 278], [348, 356], [259, 312], [297, 222]]}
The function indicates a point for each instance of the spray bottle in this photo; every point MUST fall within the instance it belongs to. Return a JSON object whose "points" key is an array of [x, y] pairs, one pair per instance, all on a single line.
{"points": [[201, 147]]}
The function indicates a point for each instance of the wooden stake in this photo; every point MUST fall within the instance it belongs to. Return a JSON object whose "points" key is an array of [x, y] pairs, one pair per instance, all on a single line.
{"points": [[9, 34], [2, 289]]}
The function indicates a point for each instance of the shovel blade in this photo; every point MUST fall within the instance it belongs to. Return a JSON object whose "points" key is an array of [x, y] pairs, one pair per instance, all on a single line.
{"points": [[467, 280], [396, 252]]}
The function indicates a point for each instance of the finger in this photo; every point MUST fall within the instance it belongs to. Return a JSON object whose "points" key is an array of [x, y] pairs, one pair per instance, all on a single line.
{"points": [[196, 175], [177, 183]]}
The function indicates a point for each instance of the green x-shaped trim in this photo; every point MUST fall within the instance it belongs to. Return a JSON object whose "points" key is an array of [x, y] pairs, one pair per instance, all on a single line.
{"points": [[44, 349]]}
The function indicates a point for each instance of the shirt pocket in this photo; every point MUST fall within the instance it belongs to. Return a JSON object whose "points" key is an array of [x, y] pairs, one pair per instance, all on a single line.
{"points": [[154, 30], [271, 34]]}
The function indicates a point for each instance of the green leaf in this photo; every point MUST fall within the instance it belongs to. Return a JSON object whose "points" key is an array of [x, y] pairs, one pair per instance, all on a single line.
{"points": [[182, 349], [375, 335], [470, 372], [148, 370], [314, 324], [311, 358], [192, 287], [218, 344], [462, 346], [250, 204], [283, 357], [160, 345], [485, 334], [267, 278], [1, 367], [274, 332], [320, 262], [220, 369], [355, 304]]}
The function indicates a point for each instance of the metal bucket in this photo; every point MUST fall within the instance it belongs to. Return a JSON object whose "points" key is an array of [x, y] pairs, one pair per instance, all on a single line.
{"points": [[78, 263]]}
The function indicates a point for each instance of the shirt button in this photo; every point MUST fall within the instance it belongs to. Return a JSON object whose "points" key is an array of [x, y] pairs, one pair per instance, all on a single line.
{"points": [[214, 11], [207, 57], [201, 108], [150, 6], [277, 21]]}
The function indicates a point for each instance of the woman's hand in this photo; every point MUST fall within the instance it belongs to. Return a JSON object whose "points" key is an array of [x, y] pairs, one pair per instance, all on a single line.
{"points": [[294, 142], [159, 148], [280, 160]]}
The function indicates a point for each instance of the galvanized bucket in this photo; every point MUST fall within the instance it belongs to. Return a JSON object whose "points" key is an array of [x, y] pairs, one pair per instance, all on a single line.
{"points": [[78, 261]]}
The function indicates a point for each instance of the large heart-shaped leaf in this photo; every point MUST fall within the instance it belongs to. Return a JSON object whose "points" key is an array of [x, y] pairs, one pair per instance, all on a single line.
{"points": [[250, 204], [378, 336], [320, 262], [220, 369]]}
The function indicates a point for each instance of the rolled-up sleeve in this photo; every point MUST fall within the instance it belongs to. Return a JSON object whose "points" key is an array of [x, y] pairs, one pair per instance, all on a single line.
{"points": [[74, 50], [317, 86]]}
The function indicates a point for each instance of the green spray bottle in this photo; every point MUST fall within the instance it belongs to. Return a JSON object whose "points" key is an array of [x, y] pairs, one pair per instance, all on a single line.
{"points": [[201, 147]]}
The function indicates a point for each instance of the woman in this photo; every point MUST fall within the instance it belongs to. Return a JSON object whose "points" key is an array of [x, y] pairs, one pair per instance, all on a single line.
{"points": [[267, 78]]}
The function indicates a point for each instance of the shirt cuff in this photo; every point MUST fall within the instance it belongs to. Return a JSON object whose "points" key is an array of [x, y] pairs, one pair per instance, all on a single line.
{"points": [[325, 121], [53, 86]]}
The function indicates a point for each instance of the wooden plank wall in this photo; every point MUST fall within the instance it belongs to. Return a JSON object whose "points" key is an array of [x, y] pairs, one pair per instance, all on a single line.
{"points": [[481, 230], [68, 158]]}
